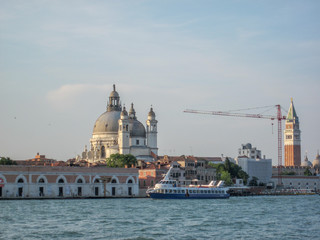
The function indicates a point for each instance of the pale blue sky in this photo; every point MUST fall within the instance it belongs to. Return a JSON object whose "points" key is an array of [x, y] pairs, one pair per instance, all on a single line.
{"points": [[59, 59]]}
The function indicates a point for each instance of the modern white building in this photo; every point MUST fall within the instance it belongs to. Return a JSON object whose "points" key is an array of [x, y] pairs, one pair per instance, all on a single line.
{"points": [[117, 131], [250, 161]]}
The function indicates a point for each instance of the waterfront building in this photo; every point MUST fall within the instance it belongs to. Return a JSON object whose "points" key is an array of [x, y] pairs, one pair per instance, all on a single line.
{"points": [[67, 182], [292, 138], [298, 182], [250, 161], [117, 131]]}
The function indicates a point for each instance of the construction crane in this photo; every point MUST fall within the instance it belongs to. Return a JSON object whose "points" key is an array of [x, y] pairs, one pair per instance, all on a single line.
{"points": [[279, 117]]}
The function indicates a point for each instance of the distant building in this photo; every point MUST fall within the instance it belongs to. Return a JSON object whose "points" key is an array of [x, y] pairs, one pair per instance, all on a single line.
{"points": [[248, 151], [117, 131], [292, 139], [250, 161]]}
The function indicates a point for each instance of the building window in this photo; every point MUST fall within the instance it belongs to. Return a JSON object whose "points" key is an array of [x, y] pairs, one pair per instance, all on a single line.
{"points": [[103, 152], [41, 180], [129, 191], [130, 181], [96, 180], [151, 182], [0, 191], [41, 191], [79, 180], [61, 180], [113, 191], [137, 142], [20, 191], [96, 191], [144, 183], [114, 181], [79, 191], [60, 191], [20, 180]]}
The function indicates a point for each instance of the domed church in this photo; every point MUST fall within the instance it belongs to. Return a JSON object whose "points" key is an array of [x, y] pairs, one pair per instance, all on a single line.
{"points": [[117, 131]]}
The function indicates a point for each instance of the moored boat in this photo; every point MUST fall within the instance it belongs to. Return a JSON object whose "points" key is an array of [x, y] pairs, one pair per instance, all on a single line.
{"points": [[169, 189]]}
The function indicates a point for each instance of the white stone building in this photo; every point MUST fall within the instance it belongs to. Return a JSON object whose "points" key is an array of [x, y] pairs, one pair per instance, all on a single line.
{"points": [[67, 182], [116, 131]]}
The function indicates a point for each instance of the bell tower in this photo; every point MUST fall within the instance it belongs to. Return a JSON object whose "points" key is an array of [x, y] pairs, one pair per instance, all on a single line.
{"points": [[152, 131], [292, 138]]}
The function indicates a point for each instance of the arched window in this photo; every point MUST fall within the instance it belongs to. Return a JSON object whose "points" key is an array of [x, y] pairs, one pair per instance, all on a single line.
{"points": [[114, 181], [41, 180], [103, 152], [96, 180], [79, 180], [61, 180], [20, 180], [130, 181]]}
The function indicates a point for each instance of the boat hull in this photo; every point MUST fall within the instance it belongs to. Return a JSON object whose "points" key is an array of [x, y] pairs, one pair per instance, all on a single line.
{"points": [[187, 196]]}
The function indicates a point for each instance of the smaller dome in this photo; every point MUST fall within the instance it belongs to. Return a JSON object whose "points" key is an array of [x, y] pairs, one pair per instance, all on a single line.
{"points": [[316, 162], [306, 163], [137, 129]]}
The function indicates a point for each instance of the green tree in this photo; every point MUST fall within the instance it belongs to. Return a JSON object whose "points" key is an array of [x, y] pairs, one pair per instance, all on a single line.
{"points": [[7, 161], [121, 160], [307, 172], [253, 181], [226, 177]]}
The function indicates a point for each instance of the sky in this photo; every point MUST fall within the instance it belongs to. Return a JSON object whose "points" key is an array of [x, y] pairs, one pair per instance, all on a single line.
{"points": [[59, 60]]}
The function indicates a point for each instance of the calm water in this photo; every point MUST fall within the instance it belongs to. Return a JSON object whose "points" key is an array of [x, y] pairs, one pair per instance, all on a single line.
{"points": [[269, 217]]}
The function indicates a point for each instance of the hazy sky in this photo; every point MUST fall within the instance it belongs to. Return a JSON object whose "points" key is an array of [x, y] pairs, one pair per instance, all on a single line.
{"points": [[59, 59]]}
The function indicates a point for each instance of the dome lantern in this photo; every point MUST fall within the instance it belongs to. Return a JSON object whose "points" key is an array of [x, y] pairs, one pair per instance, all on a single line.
{"points": [[114, 101]]}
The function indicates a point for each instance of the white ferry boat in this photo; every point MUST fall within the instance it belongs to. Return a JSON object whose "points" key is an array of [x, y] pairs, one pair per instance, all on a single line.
{"points": [[169, 189]]}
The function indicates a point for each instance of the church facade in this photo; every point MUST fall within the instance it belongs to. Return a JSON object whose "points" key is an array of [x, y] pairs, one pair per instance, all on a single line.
{"points": [[117, 131]]}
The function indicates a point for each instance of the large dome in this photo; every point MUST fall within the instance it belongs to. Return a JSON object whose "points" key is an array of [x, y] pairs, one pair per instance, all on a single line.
{"points": [[137, 129], [107, 122]]}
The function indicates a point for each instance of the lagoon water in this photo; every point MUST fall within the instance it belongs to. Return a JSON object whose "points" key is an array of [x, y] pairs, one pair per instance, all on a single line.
{"points": [[265, 217]]}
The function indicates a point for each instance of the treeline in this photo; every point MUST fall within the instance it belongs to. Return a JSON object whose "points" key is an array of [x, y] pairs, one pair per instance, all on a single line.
{"points": [[7, 161]]}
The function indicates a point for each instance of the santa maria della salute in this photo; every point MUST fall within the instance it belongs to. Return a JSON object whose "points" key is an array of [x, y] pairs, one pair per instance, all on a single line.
{"points": [[117, 131]]}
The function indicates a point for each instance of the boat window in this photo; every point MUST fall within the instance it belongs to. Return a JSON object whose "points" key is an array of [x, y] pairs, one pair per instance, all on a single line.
{"points": [[201, 191], [170, 190], [166, 190], [198, 191], [205, 191], [174, 191], [182, 191], [179, 191]]}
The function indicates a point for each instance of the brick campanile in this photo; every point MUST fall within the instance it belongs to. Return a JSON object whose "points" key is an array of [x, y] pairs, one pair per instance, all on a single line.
{"points": [[292, 139]]}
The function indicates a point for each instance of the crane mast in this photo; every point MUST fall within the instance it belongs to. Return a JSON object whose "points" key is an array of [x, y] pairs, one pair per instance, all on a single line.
{"points": [[279, 117]]}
